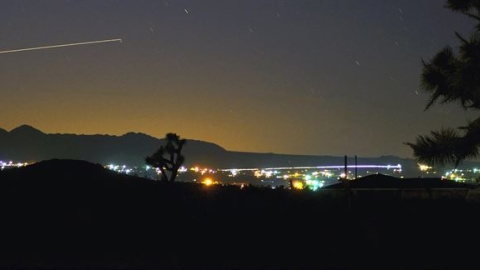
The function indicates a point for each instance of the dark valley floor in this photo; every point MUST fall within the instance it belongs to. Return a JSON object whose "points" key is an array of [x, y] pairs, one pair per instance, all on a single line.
{"points": [[76, 215]]}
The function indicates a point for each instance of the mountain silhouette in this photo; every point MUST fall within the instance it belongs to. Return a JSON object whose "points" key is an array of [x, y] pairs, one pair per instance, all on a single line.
{"points": [[29, 144], [26, 130], [26, 143]]}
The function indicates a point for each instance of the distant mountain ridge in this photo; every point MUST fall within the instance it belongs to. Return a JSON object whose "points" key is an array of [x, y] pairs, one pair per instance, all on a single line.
{"points": [[26, 130], [26, 143], [30, 144]]}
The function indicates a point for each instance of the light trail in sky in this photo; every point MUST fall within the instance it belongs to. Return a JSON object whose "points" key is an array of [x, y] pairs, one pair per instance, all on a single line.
{"points": [[61, 45]]}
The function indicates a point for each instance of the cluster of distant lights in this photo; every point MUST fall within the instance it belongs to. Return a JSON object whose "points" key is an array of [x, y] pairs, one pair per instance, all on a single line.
{"points": [[124, 169], [460, 175], [313, 185], [8, 165], [323, 171], [299, 180], [119, 168], [457, 175], [331, 167], [277, 174], [197, 169]]}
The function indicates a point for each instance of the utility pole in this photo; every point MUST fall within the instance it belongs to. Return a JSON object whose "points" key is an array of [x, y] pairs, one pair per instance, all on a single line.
{"points": [[356, 164], [346, 186]]}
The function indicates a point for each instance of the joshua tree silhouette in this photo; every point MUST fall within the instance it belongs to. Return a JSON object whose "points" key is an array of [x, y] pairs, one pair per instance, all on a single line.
{"points": [[453, 77], [168, 158]]}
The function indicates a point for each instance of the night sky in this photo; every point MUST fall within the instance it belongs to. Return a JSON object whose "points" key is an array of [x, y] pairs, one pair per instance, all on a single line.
{"points": [[305, 77]]}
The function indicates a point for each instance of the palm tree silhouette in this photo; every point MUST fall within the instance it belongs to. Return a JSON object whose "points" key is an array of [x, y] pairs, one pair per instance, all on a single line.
{"points": [[453, 78]]}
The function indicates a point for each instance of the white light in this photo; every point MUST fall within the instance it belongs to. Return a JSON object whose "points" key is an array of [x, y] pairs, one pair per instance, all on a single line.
{"points": [[61, 45]]}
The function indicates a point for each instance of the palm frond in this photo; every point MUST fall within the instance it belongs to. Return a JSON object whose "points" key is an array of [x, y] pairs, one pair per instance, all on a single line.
{"points": [[463, 5], [437, 148]]}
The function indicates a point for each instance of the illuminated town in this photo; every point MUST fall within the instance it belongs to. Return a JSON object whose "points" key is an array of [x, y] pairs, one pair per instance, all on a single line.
{"points": [[10, 164], [312, 178]]}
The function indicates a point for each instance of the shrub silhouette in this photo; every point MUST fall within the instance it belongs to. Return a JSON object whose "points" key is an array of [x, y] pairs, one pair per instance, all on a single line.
{"points": [[168, 158]]}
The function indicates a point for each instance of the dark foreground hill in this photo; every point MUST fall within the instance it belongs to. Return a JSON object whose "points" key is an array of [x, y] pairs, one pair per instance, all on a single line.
{"points": [[379, 181], [72, 214]]}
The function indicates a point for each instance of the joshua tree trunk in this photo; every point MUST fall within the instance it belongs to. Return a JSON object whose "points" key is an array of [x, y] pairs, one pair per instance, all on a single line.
{"points": [[168, 158]]}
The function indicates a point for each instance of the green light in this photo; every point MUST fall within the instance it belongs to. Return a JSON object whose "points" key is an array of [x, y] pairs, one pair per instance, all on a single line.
{"points": [[314, 184]]}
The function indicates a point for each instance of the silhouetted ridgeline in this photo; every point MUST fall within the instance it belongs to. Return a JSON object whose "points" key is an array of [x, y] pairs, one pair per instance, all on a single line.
{"points": [[73, 214], [379, 181], [380, 187], [26, 143]]}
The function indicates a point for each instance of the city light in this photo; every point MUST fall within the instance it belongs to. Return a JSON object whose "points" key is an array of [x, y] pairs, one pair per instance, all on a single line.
{"points": [[208, 182], [424, 167], [119, 169], [314, 185], [10, 165], [197, 169], [328, 167], [303, 177], [298, 185]]}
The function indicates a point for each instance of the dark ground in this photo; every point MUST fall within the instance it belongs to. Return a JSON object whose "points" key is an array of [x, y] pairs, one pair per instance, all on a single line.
{"points": [[76, 215]]}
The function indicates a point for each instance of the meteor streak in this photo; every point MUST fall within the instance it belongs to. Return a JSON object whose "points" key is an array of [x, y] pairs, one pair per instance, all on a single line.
{"points": [[61, 45]]}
